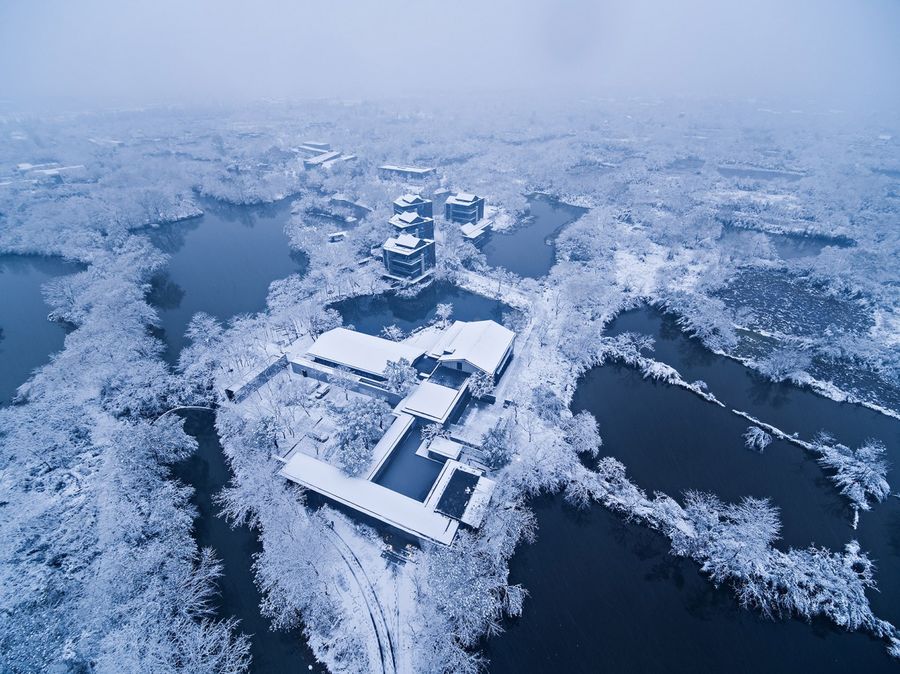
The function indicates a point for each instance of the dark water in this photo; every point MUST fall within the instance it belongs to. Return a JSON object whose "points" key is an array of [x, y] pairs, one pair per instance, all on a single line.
{"points": [[528, 249], [606, 595], [371, 313], [408, 473], [221, 263], [238, 596], [27, 338]]}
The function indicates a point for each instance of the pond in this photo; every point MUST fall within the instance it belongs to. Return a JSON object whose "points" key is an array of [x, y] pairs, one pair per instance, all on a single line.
{"points": [[238, 595], [408, 473], [221, 263], [528, 249], [372, 313], [604, 592], [27, 337]]}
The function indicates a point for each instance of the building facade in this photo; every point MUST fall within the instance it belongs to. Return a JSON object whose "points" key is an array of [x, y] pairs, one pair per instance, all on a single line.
{"points": [[412, 223], [408, 258], [414, 202], [464, 208]]}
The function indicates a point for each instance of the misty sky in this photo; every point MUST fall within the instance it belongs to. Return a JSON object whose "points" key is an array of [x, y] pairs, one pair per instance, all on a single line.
{"points": [[841, 53]]}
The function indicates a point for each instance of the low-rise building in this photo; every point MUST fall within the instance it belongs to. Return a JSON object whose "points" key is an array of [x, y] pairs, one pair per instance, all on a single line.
{"points": [[416, 173], [476, 232], [475, 346], [408, 258], [414, 202], [411, 222], [463, 207]]}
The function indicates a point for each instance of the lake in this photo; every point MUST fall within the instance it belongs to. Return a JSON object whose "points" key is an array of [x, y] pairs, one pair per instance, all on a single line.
{"points": [[606, 595], [528, 249], [222, 263], [27, 338]]}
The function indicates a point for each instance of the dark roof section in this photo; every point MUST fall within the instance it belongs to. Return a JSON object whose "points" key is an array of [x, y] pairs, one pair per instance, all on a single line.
{"points": [[457, 493]]}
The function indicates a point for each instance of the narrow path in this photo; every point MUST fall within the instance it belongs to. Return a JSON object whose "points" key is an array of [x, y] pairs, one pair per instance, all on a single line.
{"points": [[379, 623]]}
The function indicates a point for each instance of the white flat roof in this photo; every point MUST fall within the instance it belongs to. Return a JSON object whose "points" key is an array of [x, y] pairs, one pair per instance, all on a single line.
{"points": [[371, 499], [480, 343], [319, 159], [406, 169], [360, 351], [445, 447], [432, 401]]}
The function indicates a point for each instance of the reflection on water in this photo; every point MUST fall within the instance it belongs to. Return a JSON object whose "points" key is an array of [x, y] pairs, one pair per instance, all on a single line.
{"points": [[221, 263]]}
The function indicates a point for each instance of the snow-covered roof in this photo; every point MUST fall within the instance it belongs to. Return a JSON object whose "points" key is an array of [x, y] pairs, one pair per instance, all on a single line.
{"points": [[482, 344], [371, 499], [432, 401], [405, 244], [408, 200], [407, 218], [462, 199], [406, 169], [445, 447], [360, 351], [322, 158], [472, 230]]}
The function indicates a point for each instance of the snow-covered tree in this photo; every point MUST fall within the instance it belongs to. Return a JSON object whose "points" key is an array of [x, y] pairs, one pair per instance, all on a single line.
{"points": [[496, 445], [432, 431], [860, 473], [583, 433], [785, 363], [400, 376], [756, 439], [442, 313], [481, 384], [393, 333], [360, 424]]}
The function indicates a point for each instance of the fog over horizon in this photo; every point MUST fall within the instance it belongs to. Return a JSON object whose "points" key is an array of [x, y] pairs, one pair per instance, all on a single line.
{"points": [[100, 53]]}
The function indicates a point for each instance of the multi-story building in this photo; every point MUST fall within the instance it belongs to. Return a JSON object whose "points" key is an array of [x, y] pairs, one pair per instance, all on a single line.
{"points": [[408, 258], [413, 223], [413, 202], [462, 208]]}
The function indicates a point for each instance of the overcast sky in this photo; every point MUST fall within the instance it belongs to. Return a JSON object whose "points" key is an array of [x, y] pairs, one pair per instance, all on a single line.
{"points": [[103, 52]]}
